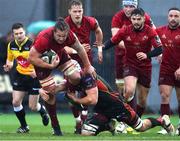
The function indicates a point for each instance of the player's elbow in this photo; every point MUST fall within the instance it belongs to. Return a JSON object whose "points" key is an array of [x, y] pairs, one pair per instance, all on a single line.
{"points": [[93, 101], [92, 95], [33, 55]]}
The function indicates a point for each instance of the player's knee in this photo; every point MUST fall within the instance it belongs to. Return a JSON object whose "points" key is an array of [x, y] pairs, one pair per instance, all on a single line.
{"points": [[165, 97], [33, 107], [120, 85], [89, 129], [130, 91], [16, 103], [142, 102]]}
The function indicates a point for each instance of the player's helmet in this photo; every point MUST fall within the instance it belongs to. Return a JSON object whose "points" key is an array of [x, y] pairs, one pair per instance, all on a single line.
{"points": [[130, 2]]}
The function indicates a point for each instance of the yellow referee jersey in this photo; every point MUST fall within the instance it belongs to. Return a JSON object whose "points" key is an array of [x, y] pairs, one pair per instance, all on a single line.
{"points": [[20, 53]]}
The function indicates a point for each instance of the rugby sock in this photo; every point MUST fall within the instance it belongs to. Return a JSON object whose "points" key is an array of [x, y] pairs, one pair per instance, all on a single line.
{"points": [[20, 114], [75, 111], [52, 113], [40, 109], [39, 106], [140, 110], [155, 122], [165, 109], [84, 115], [133, 103]]}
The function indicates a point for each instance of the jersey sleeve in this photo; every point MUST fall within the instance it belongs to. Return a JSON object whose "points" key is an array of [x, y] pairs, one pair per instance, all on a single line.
{"points": [[93, 23], [115, 22], [10, 56], [88, 82], [149, 21], [155, 40], [118, 36], [41, 44]]}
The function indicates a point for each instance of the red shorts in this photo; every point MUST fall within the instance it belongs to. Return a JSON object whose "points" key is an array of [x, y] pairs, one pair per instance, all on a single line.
{"points": [[119, 59], [168, 79], [143, 76], [43, 73]]}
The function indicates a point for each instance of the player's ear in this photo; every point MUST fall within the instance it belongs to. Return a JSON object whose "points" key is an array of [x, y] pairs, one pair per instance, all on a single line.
{"points": [[143, 18], [69, 11]]}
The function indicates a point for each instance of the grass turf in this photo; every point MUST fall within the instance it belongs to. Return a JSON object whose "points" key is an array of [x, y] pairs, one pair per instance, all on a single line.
{"points": [[9, 124]]}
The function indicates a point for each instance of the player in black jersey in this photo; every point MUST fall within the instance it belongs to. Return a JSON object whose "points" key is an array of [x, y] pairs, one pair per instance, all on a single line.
{"points": [[106, 106]]}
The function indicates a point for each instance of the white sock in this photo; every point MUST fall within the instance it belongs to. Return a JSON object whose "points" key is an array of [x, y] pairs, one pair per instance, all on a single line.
{"points": [[38, 107], [78, 119], [84, 112], [17, 109]]}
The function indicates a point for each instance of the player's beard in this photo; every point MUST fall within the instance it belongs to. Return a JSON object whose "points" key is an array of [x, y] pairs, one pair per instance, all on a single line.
{"points": [[78, 21], [173, 25], [138, 27]]}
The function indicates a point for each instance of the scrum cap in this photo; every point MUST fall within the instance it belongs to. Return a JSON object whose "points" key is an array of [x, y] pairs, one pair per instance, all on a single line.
{"points": [[130, 2]]}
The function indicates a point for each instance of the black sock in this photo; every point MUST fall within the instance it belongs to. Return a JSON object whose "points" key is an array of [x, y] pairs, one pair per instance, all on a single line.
{"points": [[21, 117], [42, 111], [155, 122]]}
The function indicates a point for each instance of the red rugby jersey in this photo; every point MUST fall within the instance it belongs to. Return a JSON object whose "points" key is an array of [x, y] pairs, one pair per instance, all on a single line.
{"points": [[137, 41]]}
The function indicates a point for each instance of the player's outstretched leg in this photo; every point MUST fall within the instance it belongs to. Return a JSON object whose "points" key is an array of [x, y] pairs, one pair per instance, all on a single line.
{"points": [[167, 125], [54, 120]]}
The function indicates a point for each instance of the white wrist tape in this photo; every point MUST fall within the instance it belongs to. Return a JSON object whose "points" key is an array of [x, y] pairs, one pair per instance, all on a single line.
{"points": [[99, 48]]}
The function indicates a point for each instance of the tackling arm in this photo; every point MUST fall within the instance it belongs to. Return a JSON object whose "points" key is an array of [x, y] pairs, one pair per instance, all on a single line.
{"points": [[91, 97], [114, 30]]}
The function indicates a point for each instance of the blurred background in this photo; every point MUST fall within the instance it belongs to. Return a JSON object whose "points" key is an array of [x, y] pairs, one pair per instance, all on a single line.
{"points": [[33, 13]]}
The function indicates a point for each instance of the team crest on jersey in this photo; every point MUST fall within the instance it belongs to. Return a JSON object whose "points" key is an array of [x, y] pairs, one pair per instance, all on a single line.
{"points": [[128, 38], [145, 38], [163, 36]]}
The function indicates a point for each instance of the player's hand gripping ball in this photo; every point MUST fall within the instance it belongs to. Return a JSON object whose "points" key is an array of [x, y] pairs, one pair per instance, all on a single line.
{"points": [[48, 56]]}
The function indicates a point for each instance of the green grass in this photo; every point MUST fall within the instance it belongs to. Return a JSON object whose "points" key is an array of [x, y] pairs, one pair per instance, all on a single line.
{"points": [[9, 124]]}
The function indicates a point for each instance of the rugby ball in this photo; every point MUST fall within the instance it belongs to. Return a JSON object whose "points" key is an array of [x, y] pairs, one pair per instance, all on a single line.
{"points": [[48, 56]]}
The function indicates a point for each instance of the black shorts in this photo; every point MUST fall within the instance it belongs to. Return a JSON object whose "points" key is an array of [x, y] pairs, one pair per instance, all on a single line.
{"points": [[25, 83], [121, 112]]}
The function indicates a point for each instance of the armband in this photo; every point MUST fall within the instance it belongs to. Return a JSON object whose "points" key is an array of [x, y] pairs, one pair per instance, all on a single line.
{"points": [[108, 44], [154, 52]]}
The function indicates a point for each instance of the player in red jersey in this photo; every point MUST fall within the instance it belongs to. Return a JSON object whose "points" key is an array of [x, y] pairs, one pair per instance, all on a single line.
{"points": [[56, 38], [138, 39], [82, 26], [107, 105], [170, 65], [120, 20]]}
